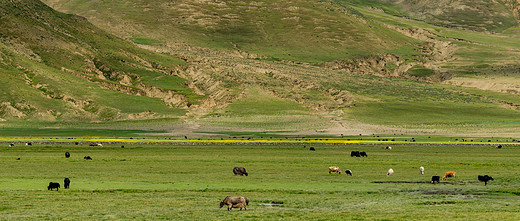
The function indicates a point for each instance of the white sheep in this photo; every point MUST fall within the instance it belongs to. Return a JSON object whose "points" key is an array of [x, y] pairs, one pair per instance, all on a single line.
{"points": [[390, 172], [421, 170]]}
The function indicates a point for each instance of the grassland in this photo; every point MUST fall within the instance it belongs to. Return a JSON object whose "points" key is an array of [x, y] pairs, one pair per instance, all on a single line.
{"points": [[186, 182], [257, 89]]}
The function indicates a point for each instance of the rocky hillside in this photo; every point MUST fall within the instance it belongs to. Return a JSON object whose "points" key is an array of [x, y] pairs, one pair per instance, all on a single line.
{"points": [[487, 15], [514, 6]]}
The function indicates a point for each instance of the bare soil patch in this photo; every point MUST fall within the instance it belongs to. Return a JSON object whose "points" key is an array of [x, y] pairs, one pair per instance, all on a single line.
{"points": [[442, 183]]}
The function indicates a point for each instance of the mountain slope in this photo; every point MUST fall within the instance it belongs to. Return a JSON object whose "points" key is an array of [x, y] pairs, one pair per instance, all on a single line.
{"points": [[57, 66], [487, 15], [284, 66], [299, 30]]}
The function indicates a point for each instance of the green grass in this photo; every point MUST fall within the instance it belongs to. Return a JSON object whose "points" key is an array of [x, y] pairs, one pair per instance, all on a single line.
{"points": [[144, 40], [420, 71], [187, 182], [436, 114], [397, 102], [261, 109]]}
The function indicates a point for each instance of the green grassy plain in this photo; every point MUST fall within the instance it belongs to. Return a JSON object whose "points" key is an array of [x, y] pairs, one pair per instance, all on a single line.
{"points": [[186, 182]]}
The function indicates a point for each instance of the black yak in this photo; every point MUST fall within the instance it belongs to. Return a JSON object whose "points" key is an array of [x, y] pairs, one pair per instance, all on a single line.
{"points": [[485, 179], [240, 171], [66, 183], [53, 185]]}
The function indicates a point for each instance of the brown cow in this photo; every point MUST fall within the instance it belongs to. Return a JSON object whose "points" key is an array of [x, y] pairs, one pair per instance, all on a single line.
{"points": [[448, 174], [235, 202], [334, 169]]}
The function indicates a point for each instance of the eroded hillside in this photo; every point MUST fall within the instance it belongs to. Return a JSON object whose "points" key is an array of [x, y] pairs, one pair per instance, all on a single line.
{"points": [[487, 15], [288, 66], [59, 67]]}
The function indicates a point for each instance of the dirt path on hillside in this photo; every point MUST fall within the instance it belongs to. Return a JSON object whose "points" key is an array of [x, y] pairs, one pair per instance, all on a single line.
{"points": [[508, 85]]}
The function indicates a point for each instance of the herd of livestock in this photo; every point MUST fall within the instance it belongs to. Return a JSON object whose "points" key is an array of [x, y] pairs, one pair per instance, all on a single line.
{"points": [[242, 202], [435, 179]]}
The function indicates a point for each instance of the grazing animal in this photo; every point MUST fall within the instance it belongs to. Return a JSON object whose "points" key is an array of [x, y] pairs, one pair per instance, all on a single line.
{"points": [[28, 144], [334, 169], [421, 170], [66, 183], [485, 179], [235, 202], [99, 144], [436, 179], [348, 172], [87, 158], [312, 149], [67, 154], [11, 145], [18, 158], [240, 171], [448, 174], [390, 172], [363, 154], [499, 146], [53, 186], [355, 154], [388, 148]]}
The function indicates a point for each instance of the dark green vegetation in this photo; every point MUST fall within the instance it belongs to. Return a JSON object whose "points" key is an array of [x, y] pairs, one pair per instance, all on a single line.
{"points": [[187, 182]]}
